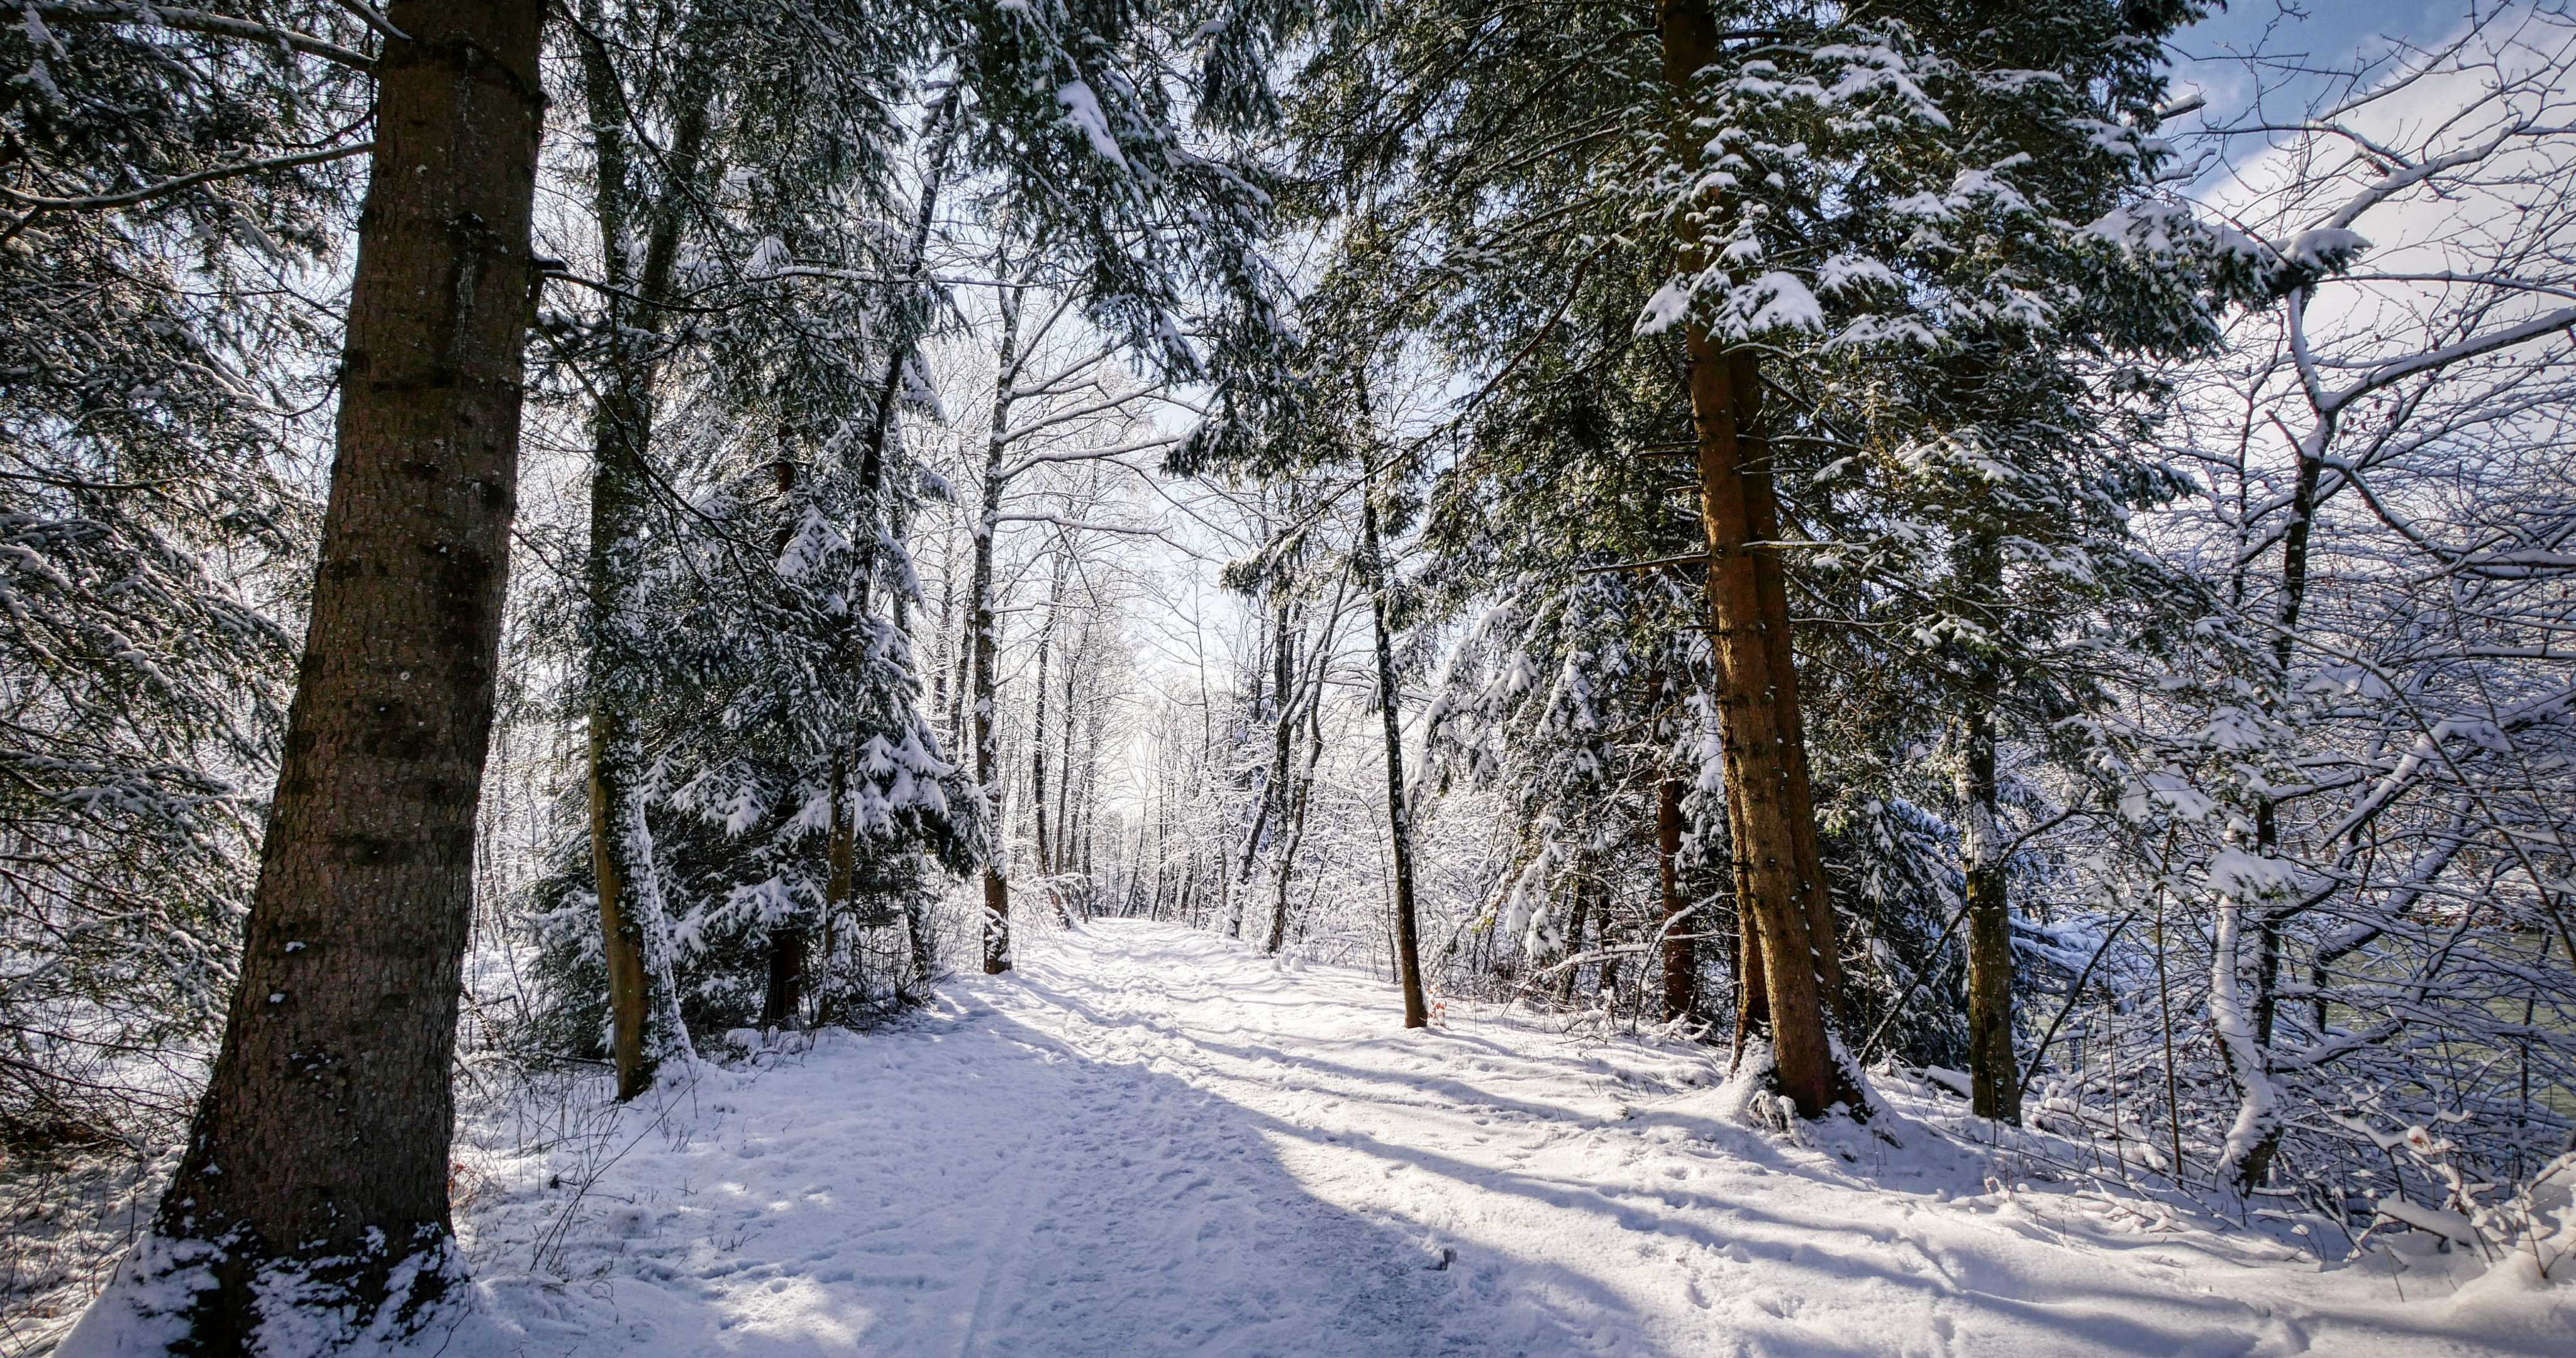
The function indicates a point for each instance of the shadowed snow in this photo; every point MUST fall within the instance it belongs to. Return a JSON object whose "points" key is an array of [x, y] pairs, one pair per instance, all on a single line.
{"points": [[1146, 1142]]}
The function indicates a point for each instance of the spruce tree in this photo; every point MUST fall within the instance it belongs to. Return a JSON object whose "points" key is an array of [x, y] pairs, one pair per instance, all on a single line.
{"points": [[312, 1195], [167, 199], [1977, 470], [1797, 161]]}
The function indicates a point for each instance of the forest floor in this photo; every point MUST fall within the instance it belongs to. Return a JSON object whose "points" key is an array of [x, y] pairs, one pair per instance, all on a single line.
{"points": [[1145, 1141]]}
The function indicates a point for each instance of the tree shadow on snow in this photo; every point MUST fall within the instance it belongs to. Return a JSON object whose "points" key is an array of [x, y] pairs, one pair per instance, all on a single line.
{"points": [[2057, 1300], [1170, 1226], [954, 1186]]}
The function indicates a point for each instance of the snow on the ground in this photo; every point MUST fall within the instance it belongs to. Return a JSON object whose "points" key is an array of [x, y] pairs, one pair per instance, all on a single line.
{"points": [[65, 1220], [1146, 1142]]}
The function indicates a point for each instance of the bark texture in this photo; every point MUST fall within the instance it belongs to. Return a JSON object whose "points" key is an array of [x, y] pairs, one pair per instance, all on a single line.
{"points": [[1994, 1075], [1780, 882], [320, 1146], [1771, 587]]}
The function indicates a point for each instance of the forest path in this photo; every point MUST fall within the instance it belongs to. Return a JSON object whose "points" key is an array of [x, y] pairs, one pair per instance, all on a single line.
{"points": [[1147, 1142]]}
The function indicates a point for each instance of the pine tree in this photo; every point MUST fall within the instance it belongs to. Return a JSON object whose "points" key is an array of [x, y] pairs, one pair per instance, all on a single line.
{"points": [[1983, 463], [313, 1190], [163, 198], [1801, 162]]}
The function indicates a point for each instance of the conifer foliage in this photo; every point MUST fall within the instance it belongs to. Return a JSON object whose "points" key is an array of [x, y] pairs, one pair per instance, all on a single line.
{"points": [[167, 190], [1869, 536]]}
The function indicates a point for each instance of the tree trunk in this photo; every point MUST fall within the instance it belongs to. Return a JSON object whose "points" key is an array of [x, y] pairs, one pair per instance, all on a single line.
{"points": [[1756, 699], [1293, 796], [1762, 508], [1065, 838], [1408, 944], [1162, 822], [943, 678], [2257, 1138], [1038, 756], [1574, 940], [1774, 889], [632, 929], [979, 610], [787, 946], [784, 996], [1087, 810], [1994, 1074], [315, 1174], [960, 730], [642, 1010], [1681, 951], [1304, 790], [1605, 992], [786, 966], [925, 944], [1283, 649]]}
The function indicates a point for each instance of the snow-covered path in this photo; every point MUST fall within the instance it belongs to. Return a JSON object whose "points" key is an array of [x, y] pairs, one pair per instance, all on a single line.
{"points": [[1145, 1142]]}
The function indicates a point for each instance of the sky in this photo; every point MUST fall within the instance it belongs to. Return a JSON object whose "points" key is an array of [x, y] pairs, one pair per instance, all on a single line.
{"points": [[2327, 31], [2319, 26]]}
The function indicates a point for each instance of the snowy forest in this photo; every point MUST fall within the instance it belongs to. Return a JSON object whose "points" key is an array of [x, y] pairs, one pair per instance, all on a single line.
{"points": [[1304, 677]]}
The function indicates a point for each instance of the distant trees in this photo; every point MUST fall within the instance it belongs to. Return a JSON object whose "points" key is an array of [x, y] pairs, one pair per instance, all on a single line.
{"points": [[755, 378], [1057, 401]]}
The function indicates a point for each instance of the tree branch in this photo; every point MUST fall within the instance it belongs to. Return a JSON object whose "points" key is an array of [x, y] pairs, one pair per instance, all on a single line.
{"points": [[130, 197]]}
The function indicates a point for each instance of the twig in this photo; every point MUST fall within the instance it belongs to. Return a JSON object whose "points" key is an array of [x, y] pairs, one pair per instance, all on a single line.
{"points": [[2072, 993]]}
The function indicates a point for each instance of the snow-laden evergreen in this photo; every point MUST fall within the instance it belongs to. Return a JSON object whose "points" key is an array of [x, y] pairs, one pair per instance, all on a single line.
{"points": [[1180, 676]]}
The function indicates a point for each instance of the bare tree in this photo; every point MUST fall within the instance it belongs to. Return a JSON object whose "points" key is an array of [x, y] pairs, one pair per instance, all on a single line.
{"points": [[1060, 398], [2389, 525]]}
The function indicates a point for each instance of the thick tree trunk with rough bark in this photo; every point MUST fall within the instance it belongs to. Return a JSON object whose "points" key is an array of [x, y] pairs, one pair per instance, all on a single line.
{"points": [[1770, 579], [1774, 888], [317, 1164]]}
